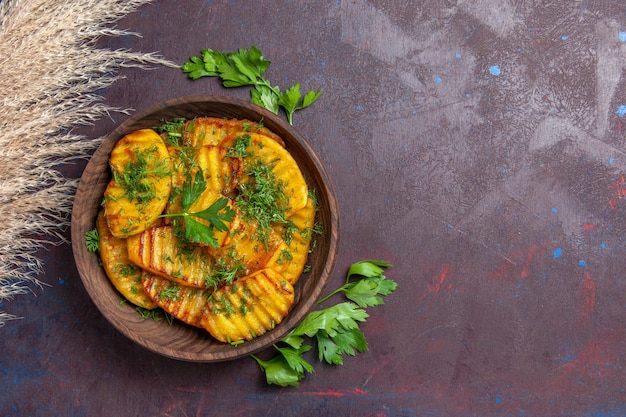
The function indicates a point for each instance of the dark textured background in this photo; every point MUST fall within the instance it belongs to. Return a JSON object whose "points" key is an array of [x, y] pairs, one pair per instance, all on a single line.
{"points": [[478, 146]]}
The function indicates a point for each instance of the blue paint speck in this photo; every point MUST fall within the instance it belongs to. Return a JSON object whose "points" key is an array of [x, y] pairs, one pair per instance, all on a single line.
{"points": [[622, 36], [61, 281], [554, 210], [438, 80], [498, 400], [621, 110], [495, 70], [564, 37], [457, 55], [557, 253], [582, 263], [359, 107], [602, 246], [612, 161]]}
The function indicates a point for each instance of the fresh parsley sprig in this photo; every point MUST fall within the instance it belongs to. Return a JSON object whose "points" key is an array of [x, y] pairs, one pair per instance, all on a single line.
{"points": [[366, 292], [246, 68], [217, 214], [335, 329]]}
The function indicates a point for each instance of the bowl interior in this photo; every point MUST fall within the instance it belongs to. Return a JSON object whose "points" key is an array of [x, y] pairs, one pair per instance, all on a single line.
{"points": [[179, 340]]}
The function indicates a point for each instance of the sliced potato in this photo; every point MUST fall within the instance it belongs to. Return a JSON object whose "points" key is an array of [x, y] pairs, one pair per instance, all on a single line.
{"points": [[184, 303], [141, 184], [249, 307], [204, 131], [123, 274], [241, 311], [269, 152], [157, 250], [290, 257], [244, 247]]}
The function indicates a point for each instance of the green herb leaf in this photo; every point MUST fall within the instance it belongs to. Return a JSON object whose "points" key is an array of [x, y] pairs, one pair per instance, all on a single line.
{"points": [[266, 97], [294, 358], [279, 372], [217, 214], [332, 320], [367, 268], [366, 292], [347, 342], [247, 67], [199, 233], [212, 61], [310, 98], [92, 240], [195, 68], [193, 187], [289, 100], [214, 215]]}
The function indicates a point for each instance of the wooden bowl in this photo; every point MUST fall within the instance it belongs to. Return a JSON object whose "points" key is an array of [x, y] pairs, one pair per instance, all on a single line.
{"points": [[179, 340]]}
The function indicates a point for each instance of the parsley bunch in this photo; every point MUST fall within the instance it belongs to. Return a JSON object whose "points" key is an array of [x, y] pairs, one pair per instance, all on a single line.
{"points": [[246, 67], [334, 329]]}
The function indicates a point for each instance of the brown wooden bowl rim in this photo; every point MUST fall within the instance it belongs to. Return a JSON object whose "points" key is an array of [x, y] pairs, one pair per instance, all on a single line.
{"points": [[141, 331]]}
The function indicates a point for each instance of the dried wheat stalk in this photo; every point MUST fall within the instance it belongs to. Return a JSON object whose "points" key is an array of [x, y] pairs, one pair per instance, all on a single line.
{"points": [[50, 71]]}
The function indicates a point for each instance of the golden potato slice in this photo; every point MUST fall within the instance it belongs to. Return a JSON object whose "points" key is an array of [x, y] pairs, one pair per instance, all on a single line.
{"points": [[184, 303], [204, 131], [141, 183], [244, 248], [291, 256], [269, 152], [221, 173], [123, 274], [241, 311], [249, 307], [157, 250]]}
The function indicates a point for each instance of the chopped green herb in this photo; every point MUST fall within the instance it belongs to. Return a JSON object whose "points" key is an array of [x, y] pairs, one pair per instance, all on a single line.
{"points": [[262, 199], [135, 177], [92, 240]]}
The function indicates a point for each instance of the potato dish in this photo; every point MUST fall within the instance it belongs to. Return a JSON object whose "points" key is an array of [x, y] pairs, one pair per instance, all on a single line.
{"points": [[210, 220]]}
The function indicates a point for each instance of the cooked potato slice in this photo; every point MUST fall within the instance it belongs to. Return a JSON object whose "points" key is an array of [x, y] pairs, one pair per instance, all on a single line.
{"points": [[204, 131], [290, 257], [267, 151], [141, 183], [157, 250], [123, 274], [249, 307], [241, 311], [221, 173], [244, 247], [184, 303]]}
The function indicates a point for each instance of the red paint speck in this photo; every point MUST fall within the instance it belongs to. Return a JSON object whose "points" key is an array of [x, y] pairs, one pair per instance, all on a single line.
{"points": [[589, 227], [338, 394], [520, 262], [437, 283], [618, 191], [436, 286]]}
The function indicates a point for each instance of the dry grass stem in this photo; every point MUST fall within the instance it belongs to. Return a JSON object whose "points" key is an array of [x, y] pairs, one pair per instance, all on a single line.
{"points": [[50, 73]]}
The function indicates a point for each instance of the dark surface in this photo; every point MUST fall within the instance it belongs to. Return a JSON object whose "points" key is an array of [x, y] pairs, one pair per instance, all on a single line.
{"points": [[476, 145]]}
